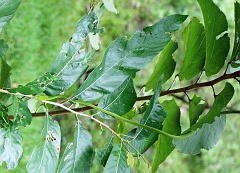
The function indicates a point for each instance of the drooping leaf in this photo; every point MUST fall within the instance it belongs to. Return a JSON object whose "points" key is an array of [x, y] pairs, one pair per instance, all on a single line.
{"points": [[217, 46], [119, 101], [141, 139], [110, 6], [123, 58], [220, 102], [8, 9], [94, 40], [4, 76], [165, 66], [10, 146], [206, 137], [194, 49], [196, 108], [130, 159], [117, 161], [236, 48], [102, 155], [171, 125], [3, 48], [78, 154], [21, 113], [71, 63], [45, 156]]}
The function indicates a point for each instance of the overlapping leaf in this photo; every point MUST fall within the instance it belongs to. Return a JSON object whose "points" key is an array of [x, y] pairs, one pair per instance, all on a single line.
{"points": [[4, 76], [141, 139], [117, 161], [119, 101], [124, 58], [102, 155], [78, 155], [171, 125], [3, 48], [194, 50], [8, 9], [165, 66], [217, 46], [45, 156], [206, 137]]}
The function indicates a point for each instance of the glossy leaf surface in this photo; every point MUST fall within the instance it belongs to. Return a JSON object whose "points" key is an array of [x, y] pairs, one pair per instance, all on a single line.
{"points": [[102, 155]]}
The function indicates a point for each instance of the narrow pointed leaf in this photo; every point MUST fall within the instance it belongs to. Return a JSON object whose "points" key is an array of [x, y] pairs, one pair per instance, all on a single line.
{"points": [[236, 48], [102, 155], [4, 76], [206, 137], [119, 101], [165, 66], [45, 156], [123, 58], [117, 161], [171, 125], [141, 139], [194, 49], [77, 157], [3, 48], [217, 46], [110, 6], [8, 9], [10, 146]]}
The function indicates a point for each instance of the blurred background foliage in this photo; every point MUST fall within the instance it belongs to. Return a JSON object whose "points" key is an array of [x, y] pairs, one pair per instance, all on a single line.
{"points": [[35, 36]]}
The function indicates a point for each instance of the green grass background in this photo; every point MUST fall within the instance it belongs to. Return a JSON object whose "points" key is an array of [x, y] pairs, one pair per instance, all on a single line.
{"points": [[35, 36]]}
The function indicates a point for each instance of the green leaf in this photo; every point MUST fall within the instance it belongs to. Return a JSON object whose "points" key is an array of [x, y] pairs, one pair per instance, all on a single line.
{"points": [[102, 155], [194, 49], [78, 154], [165, 66], [117, 161], [220, 102], [21, 113], [4, 76], [141, 139], [171, 125], [110, 6], [206, 137], [3, 48], [217, 46], [8, 9], [10, 146], [119, 101], [196, 108], [45, 156], [71, 63], [123, 58], [236, 48]]}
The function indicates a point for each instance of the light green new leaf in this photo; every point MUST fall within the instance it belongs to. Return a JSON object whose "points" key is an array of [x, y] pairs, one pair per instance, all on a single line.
{"points": [[206, 137], [3, 48], [45, 156], [195, 109], [117, 161], [102, 155], [8, 9], [194, 49], [119, 101], [217, 46], [4, 76], [10, 146], [123, 58], [171, 125], [236, 48], [140, 138], [110, 6], [77, 157], [165, 66]]}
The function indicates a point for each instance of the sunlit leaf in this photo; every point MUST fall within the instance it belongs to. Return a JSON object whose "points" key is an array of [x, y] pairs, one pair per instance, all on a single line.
{"points": [[217, 42], [110, 6], [78, 154], [165, 66], [130, 159], [4, 76], [124, 58], [171, 125], [102, 155], [194, 49], [117, 161], [45, 156]]}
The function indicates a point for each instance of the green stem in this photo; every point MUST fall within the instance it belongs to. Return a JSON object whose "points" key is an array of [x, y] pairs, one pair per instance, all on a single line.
{"points": [[135, 123]]}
